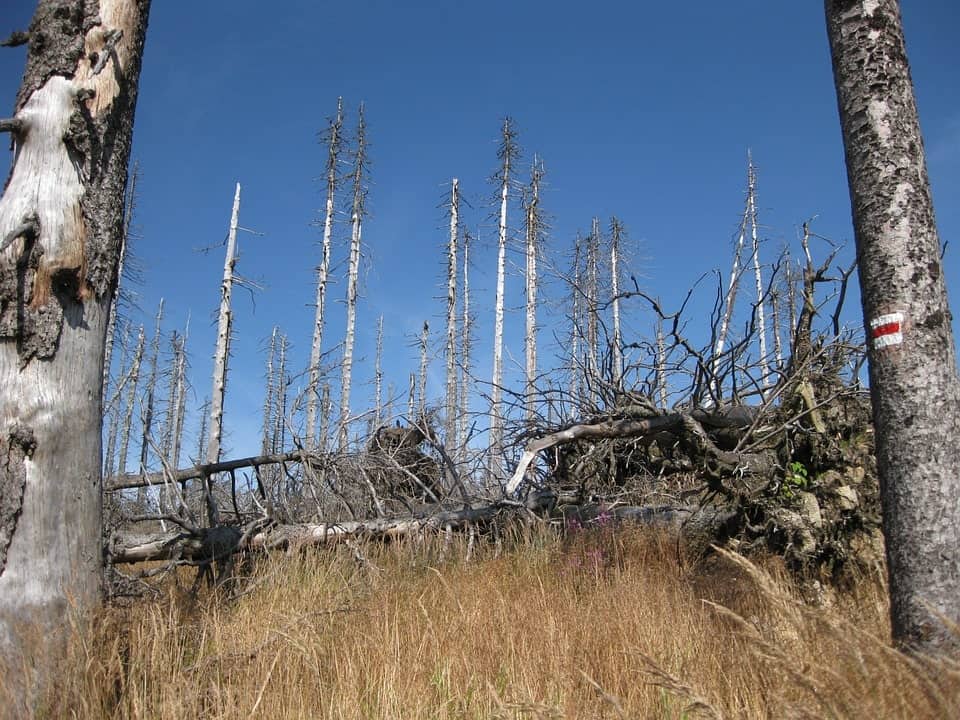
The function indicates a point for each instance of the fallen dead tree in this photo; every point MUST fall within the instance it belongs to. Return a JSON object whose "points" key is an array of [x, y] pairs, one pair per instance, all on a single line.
{"points": [[200, 546], [201, 470], [715, 463]]}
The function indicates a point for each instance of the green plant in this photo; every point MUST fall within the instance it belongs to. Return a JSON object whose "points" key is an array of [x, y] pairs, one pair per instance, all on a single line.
{"points": [[796, 478]]}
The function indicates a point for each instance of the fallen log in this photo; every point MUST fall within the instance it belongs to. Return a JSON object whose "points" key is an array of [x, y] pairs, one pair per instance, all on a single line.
{"points": [[714, 463], [132, 548], [623, 428], [200, 470]]}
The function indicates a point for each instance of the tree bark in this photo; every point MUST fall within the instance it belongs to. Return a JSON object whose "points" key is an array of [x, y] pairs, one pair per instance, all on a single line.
{"points": [[508, 154], [913, 370], [353, 278], [450, 414], [534, 235], [334, 142], [616, 231], [74, 114], [224, 328]]}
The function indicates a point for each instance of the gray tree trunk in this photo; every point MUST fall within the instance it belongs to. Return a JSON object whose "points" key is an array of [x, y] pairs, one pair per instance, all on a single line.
{"points": [[60, 226], [450, 352], [508, 153], [221, 357], [353, 279], [913, 370], [534, 230], [334, 143]]}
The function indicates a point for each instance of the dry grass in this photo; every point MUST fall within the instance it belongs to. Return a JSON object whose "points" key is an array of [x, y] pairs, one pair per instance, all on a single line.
{"points": [[600, 626]]}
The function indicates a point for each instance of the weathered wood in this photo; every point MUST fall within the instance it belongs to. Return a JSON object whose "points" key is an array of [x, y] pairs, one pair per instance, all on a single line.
{"points": [[129, 548], [913, 368], [69, 171], [131, 480]]}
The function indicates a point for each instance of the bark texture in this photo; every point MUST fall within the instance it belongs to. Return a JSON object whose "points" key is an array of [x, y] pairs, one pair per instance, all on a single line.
{"points": [[913, 375], [58, 273]]}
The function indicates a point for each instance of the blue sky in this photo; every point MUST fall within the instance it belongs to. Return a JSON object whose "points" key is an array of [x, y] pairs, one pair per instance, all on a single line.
{"points": [[640, 110]]}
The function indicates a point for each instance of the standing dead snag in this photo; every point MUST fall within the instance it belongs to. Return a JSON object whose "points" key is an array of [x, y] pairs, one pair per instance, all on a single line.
{"points": [[334, 137], [508, 154], [353, 278], [534, 231], [913, 369], [222, 356], [450, 423], [60, 228]]}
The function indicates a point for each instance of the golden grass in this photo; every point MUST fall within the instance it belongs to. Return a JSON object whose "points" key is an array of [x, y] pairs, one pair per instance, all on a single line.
{"points": [[599, 626]]}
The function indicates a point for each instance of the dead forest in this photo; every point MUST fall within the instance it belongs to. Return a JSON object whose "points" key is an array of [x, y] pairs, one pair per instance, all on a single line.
{"points": [[747, 428]]}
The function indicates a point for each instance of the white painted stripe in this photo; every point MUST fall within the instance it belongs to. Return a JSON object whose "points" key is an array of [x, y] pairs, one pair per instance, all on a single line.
{"points": [[887, 340], [886, 320]]}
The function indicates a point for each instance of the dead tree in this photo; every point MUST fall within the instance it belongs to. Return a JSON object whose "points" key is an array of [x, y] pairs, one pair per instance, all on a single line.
{"points": [[378, 376], [616, 244], [113, 407], [224, 331], [150, 398], [912, 359], [424, 364], [221, 357], [591, 293], [334, 138], [508, 153], [534, 230], [450, 351], [61, 217], [466, 350], [757, 272], [133, 380], [129, 206], [353, 277]]}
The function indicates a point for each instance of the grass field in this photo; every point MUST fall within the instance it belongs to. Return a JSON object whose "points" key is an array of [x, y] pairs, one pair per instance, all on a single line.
{"points": [[597, 625]]}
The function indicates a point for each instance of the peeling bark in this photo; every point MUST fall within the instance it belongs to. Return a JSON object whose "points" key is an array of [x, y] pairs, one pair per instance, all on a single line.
{"points": [[69, 171]]}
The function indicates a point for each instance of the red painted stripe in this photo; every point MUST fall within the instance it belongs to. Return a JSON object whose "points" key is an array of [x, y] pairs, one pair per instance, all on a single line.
{"points": [[887, 329]]}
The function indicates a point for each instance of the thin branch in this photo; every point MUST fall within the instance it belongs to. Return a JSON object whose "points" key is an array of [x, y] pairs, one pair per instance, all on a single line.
{"points": [[16, 39]]}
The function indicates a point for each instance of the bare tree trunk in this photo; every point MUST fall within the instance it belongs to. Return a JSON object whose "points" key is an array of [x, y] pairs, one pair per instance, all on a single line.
{"points": [[757, 274], [334, 141], [129, 207], [280, 397], [534, 237], [790, 283], [133, 381], [326, 410], [181, 367], [221, 358], [913, 367], [424, 339], [378, 377], [661, 363], [507, 154], [450, 415], [466, 347], [266, 441], [616, 233], [412, 398], [592, 292], [61, 217], [172, 422], [115, 407], [729, 301], [359, 199], [576, 325], [224, 330], [149, 400], [775, 316]]}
